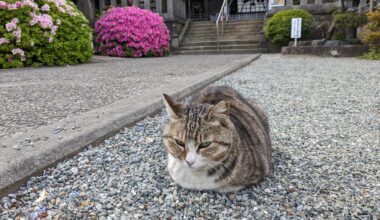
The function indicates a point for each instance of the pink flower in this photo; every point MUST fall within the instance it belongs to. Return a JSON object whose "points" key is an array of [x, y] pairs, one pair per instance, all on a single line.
{"points": [[45, 21], [3, 4], [4, 41], [19, 4], [45, 7], [12, 6], [50, 39], [30, 4], [17, 34], [20, 52], [12, 25], [141, 32]]}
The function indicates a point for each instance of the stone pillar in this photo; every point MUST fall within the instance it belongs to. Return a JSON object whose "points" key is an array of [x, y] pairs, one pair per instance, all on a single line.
{"points": [[288, 2], [113, 3], [303, 2], [88, 10], [171, 9], [136, 3], [361, 5], [123, 3], [159, 6], [147, 4], [189, 9], [318, 2], [102, 5], [371, 5]]}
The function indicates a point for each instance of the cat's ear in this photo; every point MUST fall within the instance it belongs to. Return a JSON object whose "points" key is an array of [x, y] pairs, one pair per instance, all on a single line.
{"points": [[172, 107], [219, 111]]}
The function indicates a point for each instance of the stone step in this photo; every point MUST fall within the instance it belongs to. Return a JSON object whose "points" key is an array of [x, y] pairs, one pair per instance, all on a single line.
{"points": [[235, 27], [222, 47], [257, 37], [226, 31], [228, 34], [222, 42], [244, 22], [228, 51]]}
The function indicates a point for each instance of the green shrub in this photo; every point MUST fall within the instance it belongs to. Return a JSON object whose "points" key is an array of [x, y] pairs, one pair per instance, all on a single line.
{"points": [[278, 28], [43, 32], [371, 35], [347, 22]]}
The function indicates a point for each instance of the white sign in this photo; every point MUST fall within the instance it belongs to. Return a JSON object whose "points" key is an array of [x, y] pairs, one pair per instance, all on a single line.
{"points": [[296, 29]]}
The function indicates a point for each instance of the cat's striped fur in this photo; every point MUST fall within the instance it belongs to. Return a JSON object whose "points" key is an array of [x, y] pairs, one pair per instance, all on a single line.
{"points": [[219, 141]]}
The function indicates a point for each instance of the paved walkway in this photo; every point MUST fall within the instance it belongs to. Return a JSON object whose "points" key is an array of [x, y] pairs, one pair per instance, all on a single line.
{"points": [[32, 98]]}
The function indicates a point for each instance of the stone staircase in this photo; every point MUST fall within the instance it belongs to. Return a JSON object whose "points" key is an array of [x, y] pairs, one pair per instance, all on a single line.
{"points": [[239, 37]]}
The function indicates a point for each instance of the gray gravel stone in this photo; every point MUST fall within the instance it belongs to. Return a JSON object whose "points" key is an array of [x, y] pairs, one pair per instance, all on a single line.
{"points": [[324, 125]]}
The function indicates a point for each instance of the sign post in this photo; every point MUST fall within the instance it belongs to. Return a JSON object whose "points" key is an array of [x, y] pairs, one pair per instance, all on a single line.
{"points": [[296, 29]]}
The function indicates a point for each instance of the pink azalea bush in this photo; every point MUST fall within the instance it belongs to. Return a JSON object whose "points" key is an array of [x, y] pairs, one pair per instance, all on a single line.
{"points": [[42, 32], [132, 32]]}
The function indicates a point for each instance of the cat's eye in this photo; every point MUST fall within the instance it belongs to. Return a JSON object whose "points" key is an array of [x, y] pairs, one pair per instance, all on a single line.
{"points": [[204, 144], [180, 143]]}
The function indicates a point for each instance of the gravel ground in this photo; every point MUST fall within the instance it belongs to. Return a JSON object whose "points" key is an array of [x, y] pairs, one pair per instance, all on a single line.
{"points": [[33, 97], [325, 129]]}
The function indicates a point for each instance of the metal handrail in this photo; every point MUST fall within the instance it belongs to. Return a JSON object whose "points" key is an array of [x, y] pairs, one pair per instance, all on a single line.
{"points": [[217, 22]]}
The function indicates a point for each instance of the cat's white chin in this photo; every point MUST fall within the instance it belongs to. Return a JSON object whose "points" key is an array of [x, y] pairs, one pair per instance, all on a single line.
{"points": [[190, 178], [195, 178]]}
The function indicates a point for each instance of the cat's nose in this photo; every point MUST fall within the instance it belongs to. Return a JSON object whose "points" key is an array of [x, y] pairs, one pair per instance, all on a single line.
{"points": [[190, 163]]}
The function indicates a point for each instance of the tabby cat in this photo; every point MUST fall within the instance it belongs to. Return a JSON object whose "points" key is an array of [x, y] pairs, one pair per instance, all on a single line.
{"points": [[219, 141]]}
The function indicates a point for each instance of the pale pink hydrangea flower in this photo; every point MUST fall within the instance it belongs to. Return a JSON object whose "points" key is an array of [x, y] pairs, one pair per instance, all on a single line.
{"points": [[17, 34], [45, 20], [50, 39], [20, 52], [4, 41], [12, 25], [30, 4], [58, 22], [45, 7], [19, 4], [54, 30], [12, 7], [3, 4]]}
